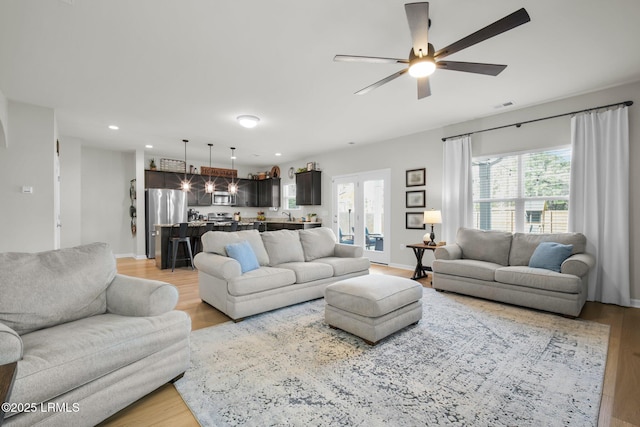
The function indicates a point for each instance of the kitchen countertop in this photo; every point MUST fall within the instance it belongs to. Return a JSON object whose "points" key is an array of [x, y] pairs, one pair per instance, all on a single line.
{"points": [[244, 222]]}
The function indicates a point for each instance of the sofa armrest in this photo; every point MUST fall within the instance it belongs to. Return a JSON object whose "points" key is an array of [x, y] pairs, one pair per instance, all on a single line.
{"points": [[347, 251], [219, 266], [578, 264], [448, 252], [10, 345], [132, 296]]}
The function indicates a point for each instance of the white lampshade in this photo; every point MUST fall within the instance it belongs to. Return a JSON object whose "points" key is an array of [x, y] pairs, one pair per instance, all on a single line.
{"points": [[432, 217]]}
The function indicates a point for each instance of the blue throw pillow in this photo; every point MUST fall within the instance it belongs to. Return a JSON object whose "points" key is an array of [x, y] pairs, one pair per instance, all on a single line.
{"points": [[550, 255], [243, 253]]}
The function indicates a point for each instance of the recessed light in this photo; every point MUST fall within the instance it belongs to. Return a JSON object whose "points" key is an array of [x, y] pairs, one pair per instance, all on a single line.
{"points": [[113, 127], [278, 154], [148, 146], [248, 121]]}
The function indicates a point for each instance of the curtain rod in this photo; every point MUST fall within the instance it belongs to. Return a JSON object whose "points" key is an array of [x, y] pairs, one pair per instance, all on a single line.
{"points": [[626, 103]]}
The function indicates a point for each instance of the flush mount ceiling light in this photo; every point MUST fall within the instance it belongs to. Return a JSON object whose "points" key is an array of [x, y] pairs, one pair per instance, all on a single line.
{"points": [[113, 127], [248, 121]]}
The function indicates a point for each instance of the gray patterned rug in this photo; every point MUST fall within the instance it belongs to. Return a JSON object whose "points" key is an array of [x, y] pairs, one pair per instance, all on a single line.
{"points": [[468, 362]]}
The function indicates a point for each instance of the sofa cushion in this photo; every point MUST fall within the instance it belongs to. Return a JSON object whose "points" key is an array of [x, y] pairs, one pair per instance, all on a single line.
{"points": [[254, 239], [524, 244], [539, 278], [44, 289], [550, 256], [342, 266], [282, 246], [490, 246], [61, 358], [308, 271], [474, 269], [243, 253], [216, 241], [317, 242], [262, 279]]}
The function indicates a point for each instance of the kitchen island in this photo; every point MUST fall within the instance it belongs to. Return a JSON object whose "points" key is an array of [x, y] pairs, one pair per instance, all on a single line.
{"points": [[198, 228]]}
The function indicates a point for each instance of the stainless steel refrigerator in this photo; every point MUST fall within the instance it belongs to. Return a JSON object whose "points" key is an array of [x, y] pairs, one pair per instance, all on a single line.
{"points": [[162, 206]]}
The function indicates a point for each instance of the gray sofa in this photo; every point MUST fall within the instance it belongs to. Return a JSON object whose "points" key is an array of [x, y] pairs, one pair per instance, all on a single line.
{"points": [[495, 265], [87, 341], [294, 266]]}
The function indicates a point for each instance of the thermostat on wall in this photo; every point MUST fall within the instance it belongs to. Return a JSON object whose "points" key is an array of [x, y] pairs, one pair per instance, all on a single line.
{"points": [[27, 189]]}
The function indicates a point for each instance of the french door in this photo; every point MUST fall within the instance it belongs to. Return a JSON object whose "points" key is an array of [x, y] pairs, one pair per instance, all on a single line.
{"points": [[361, 212]]}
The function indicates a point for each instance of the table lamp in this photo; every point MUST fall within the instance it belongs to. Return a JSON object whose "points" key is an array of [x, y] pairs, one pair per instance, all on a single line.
{"points": [[431, 217]]}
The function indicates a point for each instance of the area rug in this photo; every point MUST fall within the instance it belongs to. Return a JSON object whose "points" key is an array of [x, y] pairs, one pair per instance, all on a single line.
{"points": [[468, 362]]}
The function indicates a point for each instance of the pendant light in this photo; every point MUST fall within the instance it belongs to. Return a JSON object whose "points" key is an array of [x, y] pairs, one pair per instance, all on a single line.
{"points": [[185, 185], [232, 186], [209, 187]]}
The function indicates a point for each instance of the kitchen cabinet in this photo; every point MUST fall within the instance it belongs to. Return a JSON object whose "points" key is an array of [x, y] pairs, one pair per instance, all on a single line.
{"points": [[309, 188], [172, 180], [269, 192], [247, 195]]}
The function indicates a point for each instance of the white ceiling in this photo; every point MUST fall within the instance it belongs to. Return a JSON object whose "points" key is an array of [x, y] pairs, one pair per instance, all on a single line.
{"points": [[164, 70]]}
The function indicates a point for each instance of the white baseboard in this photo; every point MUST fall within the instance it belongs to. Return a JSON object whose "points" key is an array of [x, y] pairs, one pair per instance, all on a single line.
{"points": [[124, 255], [635, 303], [403, 267]]}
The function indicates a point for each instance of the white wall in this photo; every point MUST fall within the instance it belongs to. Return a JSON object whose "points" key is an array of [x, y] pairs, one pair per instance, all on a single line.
{"points": [[70, 192], [29, 223], [105, 177]]}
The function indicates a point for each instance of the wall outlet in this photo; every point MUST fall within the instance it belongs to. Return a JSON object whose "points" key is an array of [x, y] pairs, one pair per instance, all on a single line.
{"points": [[27, 189]]}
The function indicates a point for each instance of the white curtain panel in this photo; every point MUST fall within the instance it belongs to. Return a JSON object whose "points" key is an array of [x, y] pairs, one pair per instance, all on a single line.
{"points": [[599, 199], [457, 194]]}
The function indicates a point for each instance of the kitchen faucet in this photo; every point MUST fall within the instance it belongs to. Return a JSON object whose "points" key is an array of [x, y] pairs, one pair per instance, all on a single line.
{"points": [[288, 214]]}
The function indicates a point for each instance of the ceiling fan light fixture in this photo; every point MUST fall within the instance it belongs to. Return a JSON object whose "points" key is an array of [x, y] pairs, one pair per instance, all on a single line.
{"points": [[248, 122], [422, 67]]}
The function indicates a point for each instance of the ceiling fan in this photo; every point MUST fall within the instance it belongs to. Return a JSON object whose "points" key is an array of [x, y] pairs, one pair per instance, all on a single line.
{"points": [[424, 59]]}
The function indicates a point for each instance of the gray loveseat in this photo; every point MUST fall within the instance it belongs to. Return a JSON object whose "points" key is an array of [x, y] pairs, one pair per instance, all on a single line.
{"points": [[495, 265], [294, 266], [87, 341]]}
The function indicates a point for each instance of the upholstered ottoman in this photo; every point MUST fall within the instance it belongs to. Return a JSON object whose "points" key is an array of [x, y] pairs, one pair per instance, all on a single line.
{"points": [[373, 306]]}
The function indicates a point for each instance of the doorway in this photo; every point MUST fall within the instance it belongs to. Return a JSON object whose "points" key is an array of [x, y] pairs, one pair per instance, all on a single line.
{"points": [[361, 212]]}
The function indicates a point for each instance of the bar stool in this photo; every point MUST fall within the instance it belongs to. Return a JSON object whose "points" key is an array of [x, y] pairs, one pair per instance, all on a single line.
{"points": [[197, 240], [234, 226], [174, 241]]}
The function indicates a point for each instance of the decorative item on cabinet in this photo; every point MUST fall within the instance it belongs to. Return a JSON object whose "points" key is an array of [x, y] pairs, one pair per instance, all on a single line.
{"points": [[152, 164]]}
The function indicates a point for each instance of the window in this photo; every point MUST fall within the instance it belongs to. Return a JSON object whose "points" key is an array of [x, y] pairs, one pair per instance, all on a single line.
{"points": [[289, 197], [524, 192]]}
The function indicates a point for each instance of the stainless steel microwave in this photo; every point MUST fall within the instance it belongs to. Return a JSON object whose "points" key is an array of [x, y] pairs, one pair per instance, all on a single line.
{"points": [[223, 198]]}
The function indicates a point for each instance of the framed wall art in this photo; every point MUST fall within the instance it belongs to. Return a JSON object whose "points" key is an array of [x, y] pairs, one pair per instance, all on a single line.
{"points": [[415, 221], [415, 199], [416, 177]]}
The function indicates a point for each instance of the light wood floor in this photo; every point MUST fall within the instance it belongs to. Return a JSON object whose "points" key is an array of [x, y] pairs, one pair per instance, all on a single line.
{"points": [[620, 406]]}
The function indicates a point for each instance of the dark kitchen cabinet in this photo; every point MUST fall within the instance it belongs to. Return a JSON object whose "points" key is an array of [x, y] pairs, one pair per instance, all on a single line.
{"points": [[309, 188], [269, 192], [154, 179], [247, 195], [197, 196]]}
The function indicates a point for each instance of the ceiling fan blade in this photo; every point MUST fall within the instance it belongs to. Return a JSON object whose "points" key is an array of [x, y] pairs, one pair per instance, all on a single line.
{"points": [[471, 67], [507, 23], [381, 82], [373, 59], [424, 89], [418, 18]]}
